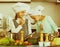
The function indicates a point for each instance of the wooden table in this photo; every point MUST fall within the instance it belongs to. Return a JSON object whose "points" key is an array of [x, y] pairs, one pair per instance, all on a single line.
{"points": [[30, 46]]}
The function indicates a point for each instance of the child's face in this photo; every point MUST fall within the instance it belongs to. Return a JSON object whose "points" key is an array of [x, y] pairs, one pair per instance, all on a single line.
{"points": [[21, 14]]}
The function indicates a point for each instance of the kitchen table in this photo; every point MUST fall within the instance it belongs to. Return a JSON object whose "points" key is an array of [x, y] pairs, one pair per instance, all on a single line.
{"points": [[31, 46]]}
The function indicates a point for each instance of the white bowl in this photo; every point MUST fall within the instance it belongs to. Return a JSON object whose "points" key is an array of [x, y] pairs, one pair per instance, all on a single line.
{"points": [[41, 44]]}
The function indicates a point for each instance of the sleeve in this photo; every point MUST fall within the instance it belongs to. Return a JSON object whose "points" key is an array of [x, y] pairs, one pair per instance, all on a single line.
{"points": [[52, 23], [29, 27], [29, 24], [12, 27]]}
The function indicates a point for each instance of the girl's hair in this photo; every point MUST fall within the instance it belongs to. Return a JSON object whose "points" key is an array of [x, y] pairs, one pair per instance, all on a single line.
{"points": [[16, 16]]}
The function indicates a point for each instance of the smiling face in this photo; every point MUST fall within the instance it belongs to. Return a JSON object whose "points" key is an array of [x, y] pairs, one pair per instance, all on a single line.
{"points": [[21, 14]]}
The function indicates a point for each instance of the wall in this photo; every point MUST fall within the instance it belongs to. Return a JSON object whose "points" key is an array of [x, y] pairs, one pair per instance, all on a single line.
{"points": [[51, 9]]}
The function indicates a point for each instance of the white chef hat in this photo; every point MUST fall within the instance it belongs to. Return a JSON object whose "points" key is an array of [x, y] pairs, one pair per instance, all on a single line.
{"points": [[37, 10], [21, 6]]}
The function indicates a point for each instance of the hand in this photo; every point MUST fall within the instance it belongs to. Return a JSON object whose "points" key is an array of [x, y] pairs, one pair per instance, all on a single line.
{"points": [[41, 26], [22, 21], [56, 34]]}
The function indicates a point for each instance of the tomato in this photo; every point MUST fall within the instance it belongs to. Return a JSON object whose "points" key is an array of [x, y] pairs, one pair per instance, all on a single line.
{"points": [[17, 41], [26, 43], [29, 44]]}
